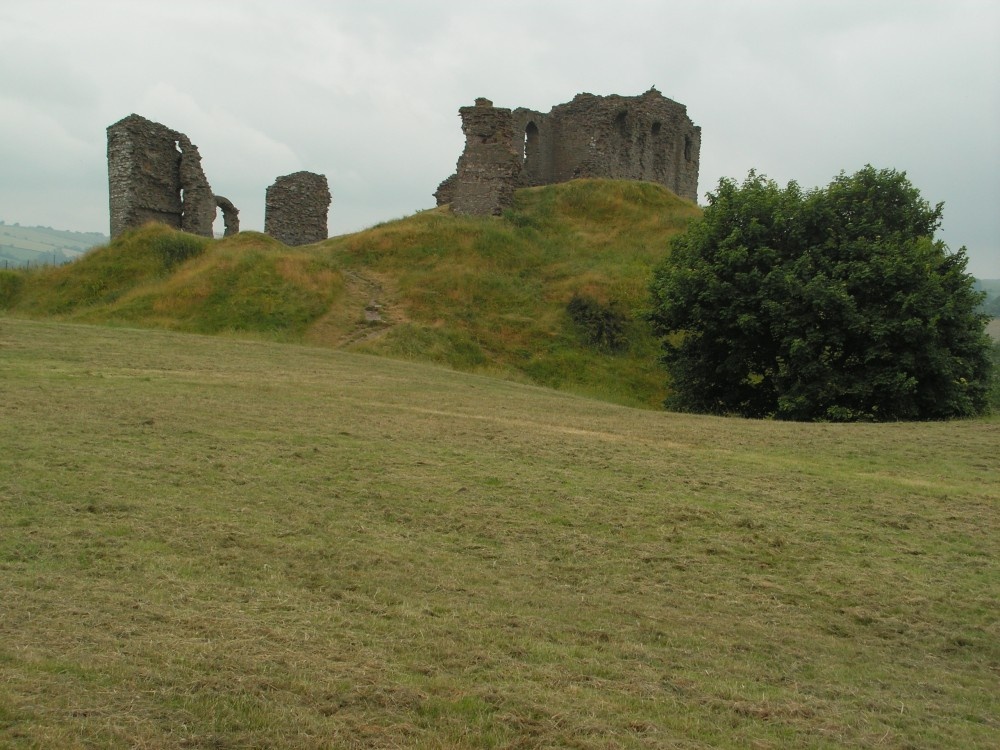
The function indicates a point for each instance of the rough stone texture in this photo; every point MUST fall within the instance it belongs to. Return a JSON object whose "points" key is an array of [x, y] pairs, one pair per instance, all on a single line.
{"points": [[296, 208], [646, 137], [446, 191], [155, 174], [489, 166], [197, 199], [230, 215]]}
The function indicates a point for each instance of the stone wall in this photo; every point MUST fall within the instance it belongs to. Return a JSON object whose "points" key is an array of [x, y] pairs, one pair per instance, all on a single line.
{"points": [[647, 137], [155, 174], [296, 208], [489, 166], [197, 199]]}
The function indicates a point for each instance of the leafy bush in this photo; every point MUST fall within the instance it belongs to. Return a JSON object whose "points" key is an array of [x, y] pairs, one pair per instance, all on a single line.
{"points": [[603, 326], [834, 304], [994, 398]]}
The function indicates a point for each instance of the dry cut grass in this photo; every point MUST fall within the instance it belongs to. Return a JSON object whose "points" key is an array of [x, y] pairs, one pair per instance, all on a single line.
{"points": [[218, 543]]}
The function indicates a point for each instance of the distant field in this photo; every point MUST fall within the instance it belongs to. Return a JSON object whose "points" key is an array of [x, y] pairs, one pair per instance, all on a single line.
{"points": [[210, 542], [42, 245]]}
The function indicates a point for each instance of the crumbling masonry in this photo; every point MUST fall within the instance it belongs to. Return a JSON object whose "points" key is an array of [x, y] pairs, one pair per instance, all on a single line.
{"points": [[296, 208], [489, 167], [647, 137], [155, 174]]}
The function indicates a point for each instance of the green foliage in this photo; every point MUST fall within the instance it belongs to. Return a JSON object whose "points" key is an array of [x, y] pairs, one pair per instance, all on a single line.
{"points": [[836, 304], [603, 326], [994, 397]]}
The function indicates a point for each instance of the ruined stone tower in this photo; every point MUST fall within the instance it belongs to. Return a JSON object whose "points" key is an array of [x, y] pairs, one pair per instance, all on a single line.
{"points": [[296, 208], [647, 137], [155, 174], [489, 166]]}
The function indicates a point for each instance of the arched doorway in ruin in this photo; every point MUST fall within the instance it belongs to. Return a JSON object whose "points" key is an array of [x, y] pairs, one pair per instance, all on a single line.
{"points": [[230, 215]]}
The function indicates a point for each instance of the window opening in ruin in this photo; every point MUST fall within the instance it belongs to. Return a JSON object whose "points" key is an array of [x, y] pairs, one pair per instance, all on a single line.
{"points": [[620, 122], [656, 128], [687, 148], [530, 143]]}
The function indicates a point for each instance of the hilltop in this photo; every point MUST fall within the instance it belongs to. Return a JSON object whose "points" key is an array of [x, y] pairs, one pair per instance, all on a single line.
{"points": [[488, 295]]}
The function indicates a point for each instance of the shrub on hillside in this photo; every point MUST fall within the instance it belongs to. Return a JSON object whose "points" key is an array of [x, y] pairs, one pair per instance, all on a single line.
{"points": [[603, 326], [994, 397]]}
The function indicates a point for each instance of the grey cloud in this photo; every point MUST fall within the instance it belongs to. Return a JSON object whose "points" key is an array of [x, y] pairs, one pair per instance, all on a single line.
{"points": [[368, 93]]}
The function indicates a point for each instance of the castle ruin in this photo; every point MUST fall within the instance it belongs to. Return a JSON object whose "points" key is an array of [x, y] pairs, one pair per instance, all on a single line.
{"points": [[155, 174], [489, 167], [647, 137]]}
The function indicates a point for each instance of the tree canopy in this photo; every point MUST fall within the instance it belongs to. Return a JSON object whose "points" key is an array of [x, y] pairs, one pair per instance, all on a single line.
{"points": [[831, 304]]}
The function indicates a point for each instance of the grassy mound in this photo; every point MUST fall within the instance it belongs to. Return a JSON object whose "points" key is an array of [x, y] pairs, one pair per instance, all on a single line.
{"points": [[490, 295], [156, 276]]}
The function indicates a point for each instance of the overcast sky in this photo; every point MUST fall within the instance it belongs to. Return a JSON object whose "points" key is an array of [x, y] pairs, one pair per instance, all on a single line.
{"points": [[368, 93]]}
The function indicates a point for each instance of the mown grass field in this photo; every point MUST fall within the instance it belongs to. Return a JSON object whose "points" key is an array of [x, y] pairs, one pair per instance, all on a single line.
{"points": [[212, 542]]}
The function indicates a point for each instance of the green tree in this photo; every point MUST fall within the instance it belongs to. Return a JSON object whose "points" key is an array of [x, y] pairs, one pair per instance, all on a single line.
{"points": [[834, 304]]}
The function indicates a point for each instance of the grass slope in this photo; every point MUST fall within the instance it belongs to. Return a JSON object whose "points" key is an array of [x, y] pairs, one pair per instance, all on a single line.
{"points": [[210, 542], [484, 295]]}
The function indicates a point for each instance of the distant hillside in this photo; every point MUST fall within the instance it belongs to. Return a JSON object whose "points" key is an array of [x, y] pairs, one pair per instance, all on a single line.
{"points": [[990, 305], [490, 295], [990, 286], [21, 246]]}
